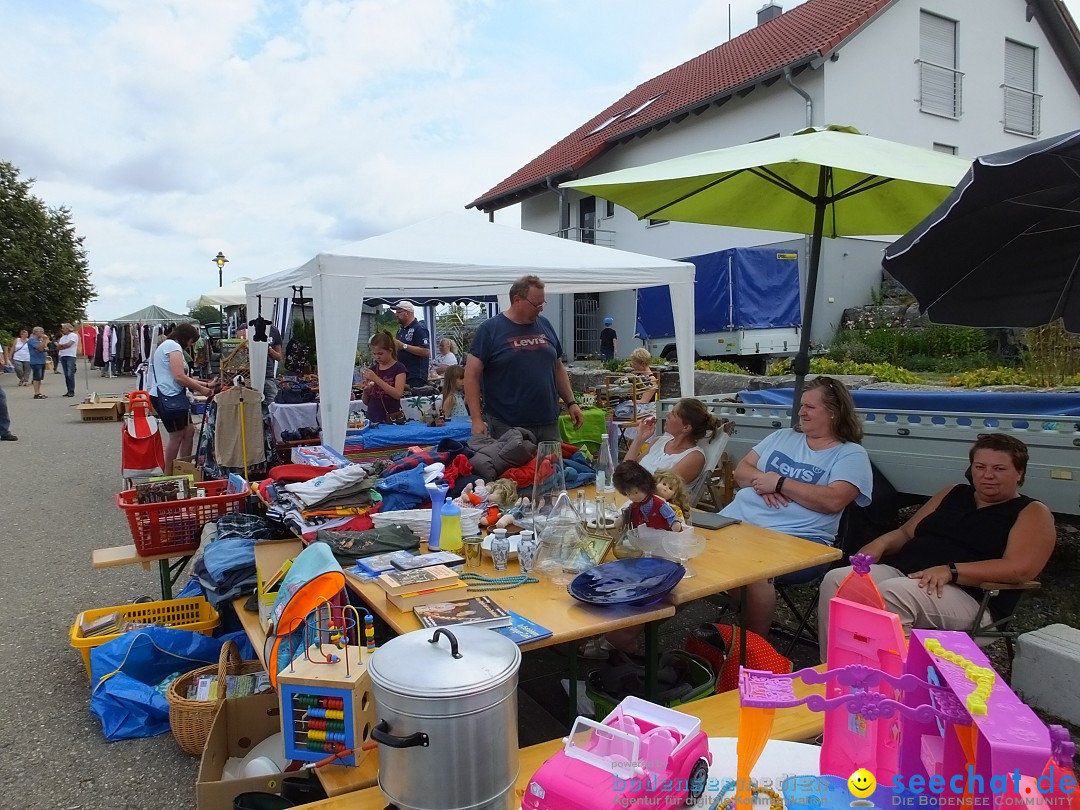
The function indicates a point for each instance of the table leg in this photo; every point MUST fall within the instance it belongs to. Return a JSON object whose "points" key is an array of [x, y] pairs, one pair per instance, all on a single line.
{"points": [[169, 573], [572, 675], [652, 656]]}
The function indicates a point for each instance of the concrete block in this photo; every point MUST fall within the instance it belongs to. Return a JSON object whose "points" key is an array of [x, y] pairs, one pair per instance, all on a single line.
{"points": [[1046, 670]]}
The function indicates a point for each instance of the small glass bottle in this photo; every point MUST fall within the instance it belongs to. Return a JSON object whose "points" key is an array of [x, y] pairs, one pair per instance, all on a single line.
{"points": [[500, 549], [605, 468], [527, 547], [581, 505]]}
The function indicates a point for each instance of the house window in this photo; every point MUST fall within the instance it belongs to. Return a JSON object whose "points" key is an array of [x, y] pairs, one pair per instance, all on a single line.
{"points": [[657, 222], [609, 209], [1022, 102], [940, 83], [946, 148]]}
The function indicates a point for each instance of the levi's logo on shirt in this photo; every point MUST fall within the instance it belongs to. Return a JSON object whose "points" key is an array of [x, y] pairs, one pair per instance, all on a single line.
{"points": [[796, 470], [527, 343]]}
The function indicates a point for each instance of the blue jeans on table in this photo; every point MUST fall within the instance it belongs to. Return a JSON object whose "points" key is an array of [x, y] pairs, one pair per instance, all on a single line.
{"points": [[5, 420], [68, 364]]}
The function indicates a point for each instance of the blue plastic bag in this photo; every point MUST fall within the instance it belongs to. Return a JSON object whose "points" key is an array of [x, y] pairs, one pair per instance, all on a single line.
{"points": [[124, 671]]}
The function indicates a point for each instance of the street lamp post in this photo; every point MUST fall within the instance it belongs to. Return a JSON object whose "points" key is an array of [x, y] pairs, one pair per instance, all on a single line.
{"points": [[220, 261]]}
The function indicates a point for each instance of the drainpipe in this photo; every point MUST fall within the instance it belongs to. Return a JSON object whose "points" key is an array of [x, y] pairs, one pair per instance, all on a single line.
{"points": [[804, 94], [564, 230], [807, 240], [564, 207]]}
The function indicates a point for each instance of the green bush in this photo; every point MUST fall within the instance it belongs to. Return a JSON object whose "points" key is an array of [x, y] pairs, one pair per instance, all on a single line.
{"points": [[948, 365], [823, 365], [855, 351], [998, 375], [614, 365], [720, 366]]}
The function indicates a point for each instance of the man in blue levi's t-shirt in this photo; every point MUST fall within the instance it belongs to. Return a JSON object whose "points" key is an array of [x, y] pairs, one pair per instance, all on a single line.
{"points": [[514, 363]]}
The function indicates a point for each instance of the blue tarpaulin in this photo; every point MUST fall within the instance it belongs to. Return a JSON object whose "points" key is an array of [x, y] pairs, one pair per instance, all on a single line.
{"points": [[1035, 404], [738, 288]]}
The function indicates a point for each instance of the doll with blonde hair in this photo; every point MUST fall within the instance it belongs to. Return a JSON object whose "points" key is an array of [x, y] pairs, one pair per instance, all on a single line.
{"points": [[672, 489]]}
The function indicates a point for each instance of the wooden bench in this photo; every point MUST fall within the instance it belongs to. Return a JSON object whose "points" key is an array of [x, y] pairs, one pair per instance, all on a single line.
{"points": [[719, 717], [126, 555]]}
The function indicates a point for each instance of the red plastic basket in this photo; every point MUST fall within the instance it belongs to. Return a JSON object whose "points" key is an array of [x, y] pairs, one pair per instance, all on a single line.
{"points": [[176, 526]]}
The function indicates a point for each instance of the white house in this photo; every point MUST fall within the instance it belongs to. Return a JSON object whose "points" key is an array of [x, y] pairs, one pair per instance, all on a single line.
{"points": [[963, 76]]}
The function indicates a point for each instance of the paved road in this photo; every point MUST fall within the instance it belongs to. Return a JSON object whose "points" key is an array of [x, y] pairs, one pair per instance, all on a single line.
{"points": [[59, 484]]}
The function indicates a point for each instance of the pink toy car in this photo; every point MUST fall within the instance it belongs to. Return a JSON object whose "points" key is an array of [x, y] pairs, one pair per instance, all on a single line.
{"points": [[640, 752]]}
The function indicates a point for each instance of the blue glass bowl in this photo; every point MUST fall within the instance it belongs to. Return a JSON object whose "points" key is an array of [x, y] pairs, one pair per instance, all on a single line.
{"points": [[636, 582]]}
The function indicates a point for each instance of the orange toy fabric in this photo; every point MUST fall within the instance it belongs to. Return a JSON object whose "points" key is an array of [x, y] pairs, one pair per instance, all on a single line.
{"points": [[760, 654]]}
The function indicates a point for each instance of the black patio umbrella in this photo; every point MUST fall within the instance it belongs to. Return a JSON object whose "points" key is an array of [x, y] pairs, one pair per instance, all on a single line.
{"points": [[1003, 249]]}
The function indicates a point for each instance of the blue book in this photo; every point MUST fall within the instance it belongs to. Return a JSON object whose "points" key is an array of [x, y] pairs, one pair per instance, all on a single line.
{"points": [[374, 565], [522, 630]]}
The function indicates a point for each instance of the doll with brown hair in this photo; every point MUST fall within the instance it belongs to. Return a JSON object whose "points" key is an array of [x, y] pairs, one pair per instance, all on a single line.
{"points": [[672, 489], [646, 508]]}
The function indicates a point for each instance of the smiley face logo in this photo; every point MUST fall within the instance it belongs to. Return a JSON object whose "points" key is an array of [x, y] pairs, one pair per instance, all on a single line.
{"points": [[861, 783]]}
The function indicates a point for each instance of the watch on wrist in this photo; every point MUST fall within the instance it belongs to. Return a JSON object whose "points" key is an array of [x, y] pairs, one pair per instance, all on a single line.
{"points": [[953, 572]]}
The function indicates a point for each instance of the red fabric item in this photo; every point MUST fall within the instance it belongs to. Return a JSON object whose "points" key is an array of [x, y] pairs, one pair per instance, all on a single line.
{"points": [[524, 475], [291, 473], [760, 654], [87, 339], [654, 520], [459, 466]]}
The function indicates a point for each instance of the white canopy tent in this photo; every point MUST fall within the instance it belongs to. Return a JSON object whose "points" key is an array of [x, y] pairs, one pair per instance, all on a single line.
{"points": [[446, 256], [233, 294]]}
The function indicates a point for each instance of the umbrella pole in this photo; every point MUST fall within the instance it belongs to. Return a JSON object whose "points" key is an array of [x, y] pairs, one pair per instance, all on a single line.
{"points": [[802, 359]]}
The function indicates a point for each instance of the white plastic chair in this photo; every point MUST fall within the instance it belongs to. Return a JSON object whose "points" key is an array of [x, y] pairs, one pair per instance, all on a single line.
{"points": [[713, 449]]}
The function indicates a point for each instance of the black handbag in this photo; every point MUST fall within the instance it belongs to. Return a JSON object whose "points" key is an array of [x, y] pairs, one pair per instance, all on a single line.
{"points": [[174, 403]]}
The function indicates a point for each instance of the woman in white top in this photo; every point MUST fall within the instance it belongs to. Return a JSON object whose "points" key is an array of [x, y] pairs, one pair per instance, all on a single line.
{"points": [[20, 357], [169, 377], [446, 356], [677, 448]]}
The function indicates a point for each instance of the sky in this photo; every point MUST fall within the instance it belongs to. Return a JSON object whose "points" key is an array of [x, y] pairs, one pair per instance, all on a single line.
{"points": [[273, 129]]}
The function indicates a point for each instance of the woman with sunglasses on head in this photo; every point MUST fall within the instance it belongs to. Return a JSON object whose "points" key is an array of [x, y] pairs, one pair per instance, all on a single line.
{"points": [[799, 481]]}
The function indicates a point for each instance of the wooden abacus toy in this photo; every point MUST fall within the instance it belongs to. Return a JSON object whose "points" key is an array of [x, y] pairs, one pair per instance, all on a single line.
{"points": [[327, 709]]}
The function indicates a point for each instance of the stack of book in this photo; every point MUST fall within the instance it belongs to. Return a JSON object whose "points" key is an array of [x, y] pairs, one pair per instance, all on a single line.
{"points": [[421, 586], [108, 625], [477, 611]]}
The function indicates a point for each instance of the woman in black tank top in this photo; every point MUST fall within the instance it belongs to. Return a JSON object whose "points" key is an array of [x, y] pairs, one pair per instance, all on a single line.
{"points": [[965, 535]]}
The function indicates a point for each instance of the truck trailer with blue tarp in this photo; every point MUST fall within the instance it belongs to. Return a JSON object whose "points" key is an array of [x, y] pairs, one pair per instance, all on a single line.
{"points": [[746, 304]]}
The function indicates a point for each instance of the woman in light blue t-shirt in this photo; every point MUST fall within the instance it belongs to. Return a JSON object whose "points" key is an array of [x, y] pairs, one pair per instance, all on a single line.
{"points": [[169, 376], [799, 481]]}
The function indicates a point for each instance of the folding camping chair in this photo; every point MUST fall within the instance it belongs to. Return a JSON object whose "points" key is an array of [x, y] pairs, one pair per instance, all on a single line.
{"points": [[141, 452]]}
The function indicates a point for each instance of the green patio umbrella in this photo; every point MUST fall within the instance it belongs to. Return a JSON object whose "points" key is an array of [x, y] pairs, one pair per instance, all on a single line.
{"points": [[830, 181]]}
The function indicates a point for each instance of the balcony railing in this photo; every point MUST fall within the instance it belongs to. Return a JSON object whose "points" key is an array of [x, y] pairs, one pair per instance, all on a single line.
{"points": [[940, 90], [592, 236], [1023, 111]]}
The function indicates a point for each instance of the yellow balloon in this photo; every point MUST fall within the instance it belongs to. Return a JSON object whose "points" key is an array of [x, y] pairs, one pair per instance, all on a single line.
{"points": [[861, 783]]}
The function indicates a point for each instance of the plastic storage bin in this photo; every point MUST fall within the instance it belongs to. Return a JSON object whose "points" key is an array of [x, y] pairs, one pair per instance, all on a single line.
{"points": [[195, 614], [700, 675], [175, 526]]}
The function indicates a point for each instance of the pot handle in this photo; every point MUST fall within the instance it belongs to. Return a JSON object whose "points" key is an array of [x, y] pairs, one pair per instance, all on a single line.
{"points": [[381, 734], [453, 641]]}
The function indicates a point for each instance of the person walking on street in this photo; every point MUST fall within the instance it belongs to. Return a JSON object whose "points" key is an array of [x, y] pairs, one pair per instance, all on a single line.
{"points": [[412, 344], [609, 341], [515, 366], [54, 354], [20, 357], [5, 421], [38, 345], [68, 345]]}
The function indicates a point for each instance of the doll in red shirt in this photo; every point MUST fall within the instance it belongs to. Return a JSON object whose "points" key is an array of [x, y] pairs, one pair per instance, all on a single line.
{"points": [[646, 507]]}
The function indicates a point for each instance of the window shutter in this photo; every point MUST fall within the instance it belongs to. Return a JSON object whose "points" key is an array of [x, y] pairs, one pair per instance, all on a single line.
{"points": [[939, 81], [1021, 101]]}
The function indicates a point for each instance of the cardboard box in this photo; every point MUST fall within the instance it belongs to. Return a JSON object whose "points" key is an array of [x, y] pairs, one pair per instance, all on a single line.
{"points": [[270, 556], [187, 467], [100, 412], [241, 724]]}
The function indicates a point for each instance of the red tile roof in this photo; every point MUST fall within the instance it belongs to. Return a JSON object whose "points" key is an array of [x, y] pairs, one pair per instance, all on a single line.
{"points": [[804, 33]]}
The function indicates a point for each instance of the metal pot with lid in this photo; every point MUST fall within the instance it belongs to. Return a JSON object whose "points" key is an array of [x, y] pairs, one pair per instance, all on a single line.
{"points": [[447, 719]]}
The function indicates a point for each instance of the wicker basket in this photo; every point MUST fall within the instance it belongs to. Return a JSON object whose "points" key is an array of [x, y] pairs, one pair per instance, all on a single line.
{"points": [[191, 719]]}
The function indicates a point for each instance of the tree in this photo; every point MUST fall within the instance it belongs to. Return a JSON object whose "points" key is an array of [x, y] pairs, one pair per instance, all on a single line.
{"points": [[44, 272], [205, 315]]}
